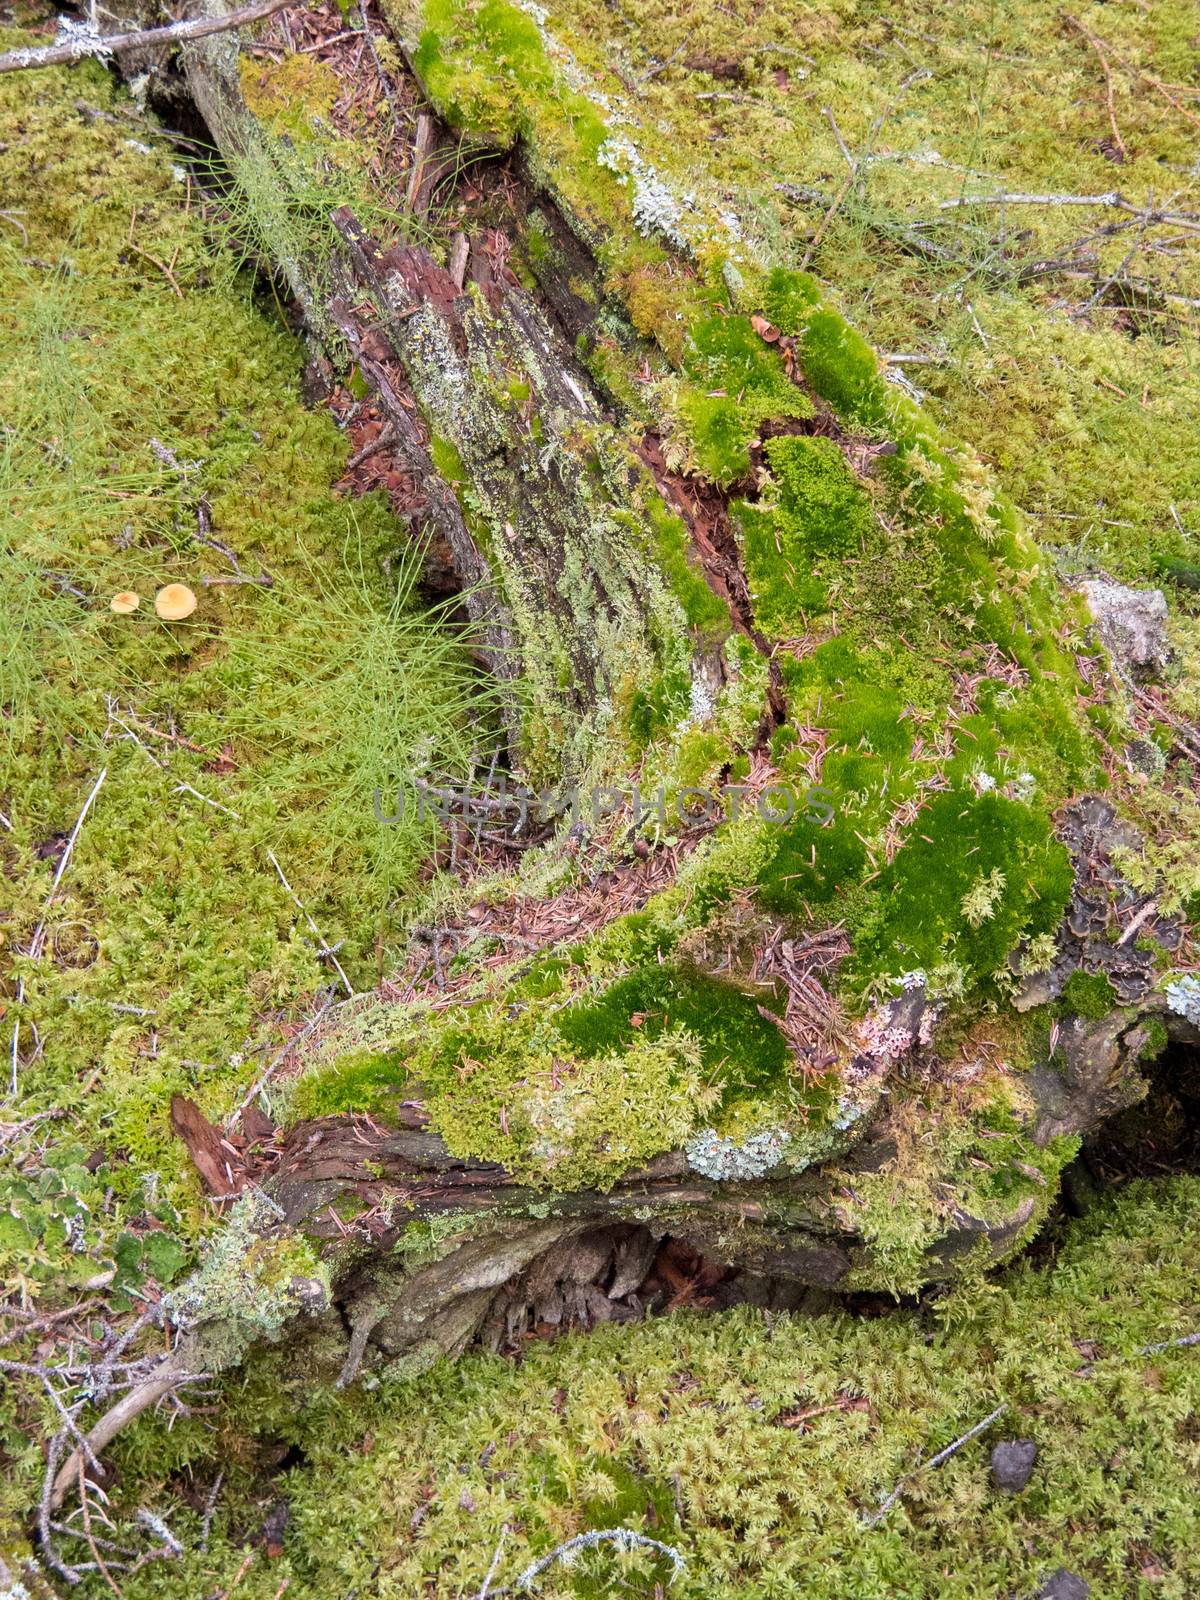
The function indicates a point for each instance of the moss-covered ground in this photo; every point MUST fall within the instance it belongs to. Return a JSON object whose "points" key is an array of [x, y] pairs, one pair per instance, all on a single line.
{"points": [[153, 433], [754, 1444], [774, 196]]}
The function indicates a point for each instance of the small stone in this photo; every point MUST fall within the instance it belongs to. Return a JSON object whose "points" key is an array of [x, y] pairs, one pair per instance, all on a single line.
{"points": [[1064, 1585], [1012, 1464]]}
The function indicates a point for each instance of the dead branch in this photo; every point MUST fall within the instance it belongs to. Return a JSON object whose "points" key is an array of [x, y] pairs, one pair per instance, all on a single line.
{"points": [[326, 951], [1108, 81], [1188, 220], [622, 1538], [265, 1076], [87, 43], [162, 1380], [38, 942]]}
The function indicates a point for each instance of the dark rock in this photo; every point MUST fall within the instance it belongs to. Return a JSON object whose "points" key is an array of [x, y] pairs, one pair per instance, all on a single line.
{"points": [[1012, 1464], [1064, 1585]]}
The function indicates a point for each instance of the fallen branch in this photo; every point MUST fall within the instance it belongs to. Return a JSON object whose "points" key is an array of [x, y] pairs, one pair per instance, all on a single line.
{"points": [[495, 1562], [169, 1376], [264, 1077], [86, 43], [623, 1538], [1147, 214], [326, 951], [1186, 1342], [916, 243], [1140, 72], [38, 942], [835, 204]]}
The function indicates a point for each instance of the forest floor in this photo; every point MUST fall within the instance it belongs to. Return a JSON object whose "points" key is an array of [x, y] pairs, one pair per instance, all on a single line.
{"points": [[195, 873]]}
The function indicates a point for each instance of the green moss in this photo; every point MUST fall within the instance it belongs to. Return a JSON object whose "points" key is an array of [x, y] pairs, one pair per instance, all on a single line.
{"points": [[654, 707], [820, 514], [639, 937], [705, 611], [842, 367], [737, 384], [261, 724], [289, 95], [1156, 1040], [812, 865], [976, 874], [357, 1082], [789, 299], [474, 65], [738, 1046], [1088, 994], [504, 1090], [545, 976], [700, 756]]}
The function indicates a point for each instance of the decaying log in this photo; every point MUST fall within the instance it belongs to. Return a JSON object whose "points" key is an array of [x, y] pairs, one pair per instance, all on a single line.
{"points": [[535, 498], [528, 488], [571, 605]]}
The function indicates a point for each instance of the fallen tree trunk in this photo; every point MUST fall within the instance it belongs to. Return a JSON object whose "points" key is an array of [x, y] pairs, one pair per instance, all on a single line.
{"points": [[851, 1048]]}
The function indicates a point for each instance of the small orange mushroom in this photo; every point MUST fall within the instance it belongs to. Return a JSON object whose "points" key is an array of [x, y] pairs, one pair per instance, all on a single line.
{"points": [[174, 602], [128, 600]]}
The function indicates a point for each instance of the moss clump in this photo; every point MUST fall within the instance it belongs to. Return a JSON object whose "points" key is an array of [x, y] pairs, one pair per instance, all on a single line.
{"points": [[289, 95], [652, 708], [476, 65], [1088, 994], [812, 865], [737, 384], [842, 367], [705, 611], [359, 1081], [738, 1046], [976, 875], [820, 514], [504, 1092]]}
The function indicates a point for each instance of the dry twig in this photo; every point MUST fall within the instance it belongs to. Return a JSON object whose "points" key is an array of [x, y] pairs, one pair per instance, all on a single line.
{"points": [[1108, 82], [934, 1461], [88, 43]]}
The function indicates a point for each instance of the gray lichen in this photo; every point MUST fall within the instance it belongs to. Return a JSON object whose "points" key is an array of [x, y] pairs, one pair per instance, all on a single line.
{"points": [[716, 1156], [1183, 997], [254, 1278]]}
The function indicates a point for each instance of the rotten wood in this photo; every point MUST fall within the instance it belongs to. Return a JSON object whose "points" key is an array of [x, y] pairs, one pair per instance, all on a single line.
{"points": [[217, 1163], [560, 559], [435, 158]]}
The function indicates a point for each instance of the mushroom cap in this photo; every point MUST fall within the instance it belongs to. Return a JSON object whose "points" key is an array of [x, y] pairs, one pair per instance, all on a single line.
{"points": [[174, 602], [128, 600]]}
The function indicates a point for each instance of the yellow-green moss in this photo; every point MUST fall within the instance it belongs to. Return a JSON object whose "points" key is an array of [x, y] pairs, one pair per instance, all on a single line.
{"points": [[261, 723], [754, 1443]]}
